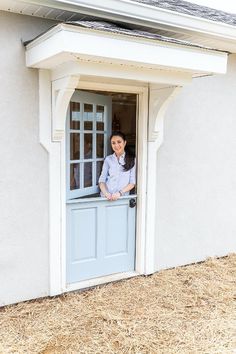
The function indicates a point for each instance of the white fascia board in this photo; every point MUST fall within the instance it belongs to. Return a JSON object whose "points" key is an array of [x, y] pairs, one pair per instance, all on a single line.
{"points": [[140, 13], [128, 73], [51, 49]]}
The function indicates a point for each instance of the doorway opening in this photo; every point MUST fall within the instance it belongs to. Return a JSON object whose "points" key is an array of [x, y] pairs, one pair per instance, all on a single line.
{"points": [[100, 234], [88, 136], [124, 113]]}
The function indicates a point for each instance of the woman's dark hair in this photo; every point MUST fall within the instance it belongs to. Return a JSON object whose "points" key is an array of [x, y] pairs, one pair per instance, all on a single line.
{"points": [[129, 155]]}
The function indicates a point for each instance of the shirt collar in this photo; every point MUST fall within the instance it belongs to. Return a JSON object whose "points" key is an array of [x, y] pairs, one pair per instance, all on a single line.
{"points": [[121, 158]]}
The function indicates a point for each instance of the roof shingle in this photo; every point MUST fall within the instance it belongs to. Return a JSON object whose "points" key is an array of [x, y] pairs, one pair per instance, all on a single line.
{"points": [[117, 29], [192, 10]]}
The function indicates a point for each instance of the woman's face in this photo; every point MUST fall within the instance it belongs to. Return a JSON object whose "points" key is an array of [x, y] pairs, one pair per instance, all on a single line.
{"points": [[118, 145]]}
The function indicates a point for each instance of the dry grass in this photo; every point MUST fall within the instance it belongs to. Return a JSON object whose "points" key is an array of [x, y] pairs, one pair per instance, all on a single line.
{"points": [[184, 310]]}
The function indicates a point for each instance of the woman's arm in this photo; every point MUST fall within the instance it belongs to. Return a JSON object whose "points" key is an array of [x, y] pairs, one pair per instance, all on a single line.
{"points": [[119, 194], [128, 187], [104, 190], [103, 178]]}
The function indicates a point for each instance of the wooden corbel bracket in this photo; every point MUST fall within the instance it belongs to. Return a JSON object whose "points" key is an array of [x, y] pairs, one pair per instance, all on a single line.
{"points": [[62, 91], [159, 100]]}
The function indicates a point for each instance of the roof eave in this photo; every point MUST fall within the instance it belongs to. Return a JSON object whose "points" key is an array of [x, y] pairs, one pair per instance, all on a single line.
{"points": [[142, 14]]}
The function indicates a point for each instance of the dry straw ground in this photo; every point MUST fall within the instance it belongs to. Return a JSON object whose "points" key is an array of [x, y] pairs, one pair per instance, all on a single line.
{"points": [[188, 310]]}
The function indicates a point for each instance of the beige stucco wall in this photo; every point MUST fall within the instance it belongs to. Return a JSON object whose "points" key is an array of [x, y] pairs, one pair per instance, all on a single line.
{"points": [[23, 168], [196, 176]]}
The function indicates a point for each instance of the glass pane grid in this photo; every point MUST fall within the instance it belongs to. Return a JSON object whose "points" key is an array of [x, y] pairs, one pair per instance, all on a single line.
{"points": [[86, 162]]}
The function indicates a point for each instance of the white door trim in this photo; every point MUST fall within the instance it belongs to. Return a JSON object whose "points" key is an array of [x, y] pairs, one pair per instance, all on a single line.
{"points": [[142, 116], [55, 145], [150, 137]]}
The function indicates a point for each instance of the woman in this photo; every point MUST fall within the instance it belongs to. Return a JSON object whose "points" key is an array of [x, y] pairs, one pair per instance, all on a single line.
{"points": [[118, 171]]}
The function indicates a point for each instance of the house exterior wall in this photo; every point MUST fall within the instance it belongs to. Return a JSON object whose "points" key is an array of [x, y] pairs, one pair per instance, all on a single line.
{"points": [[23, 168], [196, 173]]}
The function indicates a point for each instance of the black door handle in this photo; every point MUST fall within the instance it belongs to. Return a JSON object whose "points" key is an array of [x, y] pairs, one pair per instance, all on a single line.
{"points": [[132, 203]]}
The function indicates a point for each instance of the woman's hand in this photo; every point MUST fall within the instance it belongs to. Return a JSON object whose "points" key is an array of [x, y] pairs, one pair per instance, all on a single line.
{"points": [[115, 196], [104, 191], [108, 195]]}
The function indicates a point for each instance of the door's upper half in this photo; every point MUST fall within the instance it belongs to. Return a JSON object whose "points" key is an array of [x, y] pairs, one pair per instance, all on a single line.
{"points": [[88, 129]]}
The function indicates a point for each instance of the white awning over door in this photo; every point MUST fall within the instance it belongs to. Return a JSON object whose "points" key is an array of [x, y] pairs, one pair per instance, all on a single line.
{"points": [[67, 43]]}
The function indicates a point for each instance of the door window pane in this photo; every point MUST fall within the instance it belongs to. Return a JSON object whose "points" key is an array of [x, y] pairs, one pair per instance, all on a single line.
{"points": [[100, 145], [100, 117], [75, 115], [88, 146], [88, 174], [74, 146], [74, 176], [88, 125], [100, 126], [98, 170], [88, 116]]}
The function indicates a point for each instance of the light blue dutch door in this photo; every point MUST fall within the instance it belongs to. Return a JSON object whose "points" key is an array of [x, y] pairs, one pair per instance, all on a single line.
{"points": [[100, 234]]}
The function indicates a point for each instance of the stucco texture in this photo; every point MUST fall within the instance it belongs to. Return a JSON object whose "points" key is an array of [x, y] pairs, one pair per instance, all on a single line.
{"points": [[196, 173], [23, 168]]}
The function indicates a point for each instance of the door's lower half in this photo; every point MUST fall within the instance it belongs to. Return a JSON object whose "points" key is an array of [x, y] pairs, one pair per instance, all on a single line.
{"points": [[100, 237]]}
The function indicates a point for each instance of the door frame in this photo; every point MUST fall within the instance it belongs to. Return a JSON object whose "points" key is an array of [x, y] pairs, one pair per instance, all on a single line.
{"points": [[52, 138], [141, 143]]}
